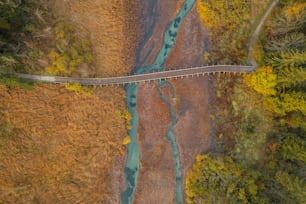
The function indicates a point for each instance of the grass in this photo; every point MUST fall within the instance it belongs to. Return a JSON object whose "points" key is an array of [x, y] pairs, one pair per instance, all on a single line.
{"points": [[115, 38], [59, 144], [13, 82]]}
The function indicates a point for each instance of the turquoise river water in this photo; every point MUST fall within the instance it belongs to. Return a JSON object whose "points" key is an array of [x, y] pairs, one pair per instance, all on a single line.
{"points": [[132, 163]]}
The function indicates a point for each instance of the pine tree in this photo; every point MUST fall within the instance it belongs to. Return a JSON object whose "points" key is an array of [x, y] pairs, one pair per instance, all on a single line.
{"points": [[291, 77], [287, 22], [290, 58], [293, 188], [287, 102], [293, 148], [287, 42]]}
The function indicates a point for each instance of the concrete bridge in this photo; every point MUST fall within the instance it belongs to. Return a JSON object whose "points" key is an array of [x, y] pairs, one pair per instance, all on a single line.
{"points": [[154, 76]]}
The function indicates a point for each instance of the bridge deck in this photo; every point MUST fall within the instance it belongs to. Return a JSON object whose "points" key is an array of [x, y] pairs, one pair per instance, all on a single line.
{"points": [[194, 71]]}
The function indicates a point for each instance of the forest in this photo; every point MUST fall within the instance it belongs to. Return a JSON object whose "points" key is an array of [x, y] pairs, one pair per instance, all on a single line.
{"points": [[34, 40], [259, 149]]}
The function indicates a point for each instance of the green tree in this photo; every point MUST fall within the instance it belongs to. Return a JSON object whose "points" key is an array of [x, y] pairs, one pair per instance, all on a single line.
{"points": [[290, 58], [294, 120], [217, 179], [288, 41], [7, 64], [287, 102], [293, 188], [291, 18], [293, 148], [291, 77]]}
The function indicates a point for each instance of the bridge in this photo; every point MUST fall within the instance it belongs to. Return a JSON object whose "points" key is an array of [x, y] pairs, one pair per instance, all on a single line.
{"points": [[154, 76], [193, 71]]}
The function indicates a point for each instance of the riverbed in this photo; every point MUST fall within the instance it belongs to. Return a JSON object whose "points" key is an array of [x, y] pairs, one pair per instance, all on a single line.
{"points": [[157, 179]]}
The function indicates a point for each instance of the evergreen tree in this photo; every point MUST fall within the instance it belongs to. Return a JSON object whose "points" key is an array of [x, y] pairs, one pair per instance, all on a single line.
{"points": [[289, 41], [290, 58], [293, 188], [291, 77]]}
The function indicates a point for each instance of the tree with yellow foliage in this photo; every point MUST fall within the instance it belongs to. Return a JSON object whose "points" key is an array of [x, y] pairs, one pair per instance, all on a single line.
{"points": [[228, 22], [218, 179], [69, 52], [263, 81]]}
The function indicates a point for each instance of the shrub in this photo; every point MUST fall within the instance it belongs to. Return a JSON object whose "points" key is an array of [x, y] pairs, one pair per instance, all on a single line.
{"points": [[78, 88], [69, 53]]}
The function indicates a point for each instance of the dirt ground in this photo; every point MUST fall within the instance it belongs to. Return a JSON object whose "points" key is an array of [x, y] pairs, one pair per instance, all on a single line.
{"points": [[156, 183]]}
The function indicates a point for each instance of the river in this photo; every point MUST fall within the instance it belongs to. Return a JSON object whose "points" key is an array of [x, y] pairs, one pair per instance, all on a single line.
{"points": [[132, 163]]}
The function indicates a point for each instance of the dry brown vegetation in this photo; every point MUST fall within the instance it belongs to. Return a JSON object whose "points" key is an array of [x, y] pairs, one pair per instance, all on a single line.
{"points": [[63, 146], [57, 146], [257, 8], [112, 29]]}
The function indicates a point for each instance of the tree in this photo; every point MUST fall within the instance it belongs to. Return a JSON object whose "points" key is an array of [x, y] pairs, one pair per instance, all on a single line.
{"points": [[263, 81], [289, 41], [293, 188], [293, 148], [291, 77], [290, 58], [287, 102], [295, 120], [217, 179], [228, 23], [291, 18]]}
